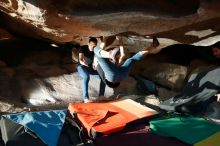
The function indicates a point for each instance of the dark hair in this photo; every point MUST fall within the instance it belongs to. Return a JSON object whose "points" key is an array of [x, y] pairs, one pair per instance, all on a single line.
{"points": [[111, 84], [93, 39], [216, 45]]}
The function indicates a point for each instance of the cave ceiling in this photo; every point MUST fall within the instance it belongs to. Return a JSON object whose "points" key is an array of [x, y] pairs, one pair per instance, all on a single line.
{"points": [[188, 21]]}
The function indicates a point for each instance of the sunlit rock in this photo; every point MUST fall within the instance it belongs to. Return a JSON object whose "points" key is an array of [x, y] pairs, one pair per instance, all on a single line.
{"points": [[60, 22]]}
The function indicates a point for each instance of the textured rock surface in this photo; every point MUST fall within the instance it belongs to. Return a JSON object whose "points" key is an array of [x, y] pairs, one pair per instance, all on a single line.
{"points": [[75, 20], [39, 73], [5, 34], [35, 88], [168, 75]]}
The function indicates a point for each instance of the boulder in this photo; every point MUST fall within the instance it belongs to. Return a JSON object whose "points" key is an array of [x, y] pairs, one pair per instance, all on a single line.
{"points": [[168, 75], [58, 21]]}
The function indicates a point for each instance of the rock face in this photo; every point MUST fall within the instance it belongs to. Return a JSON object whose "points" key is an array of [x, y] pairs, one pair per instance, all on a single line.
{"points": [[36, 73], [59, 21], [169, 75], [39, 72], [5, 34]]}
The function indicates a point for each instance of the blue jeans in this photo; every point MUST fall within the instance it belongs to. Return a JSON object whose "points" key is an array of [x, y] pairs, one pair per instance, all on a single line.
{"points": [[115, 73], [85, 73]]}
